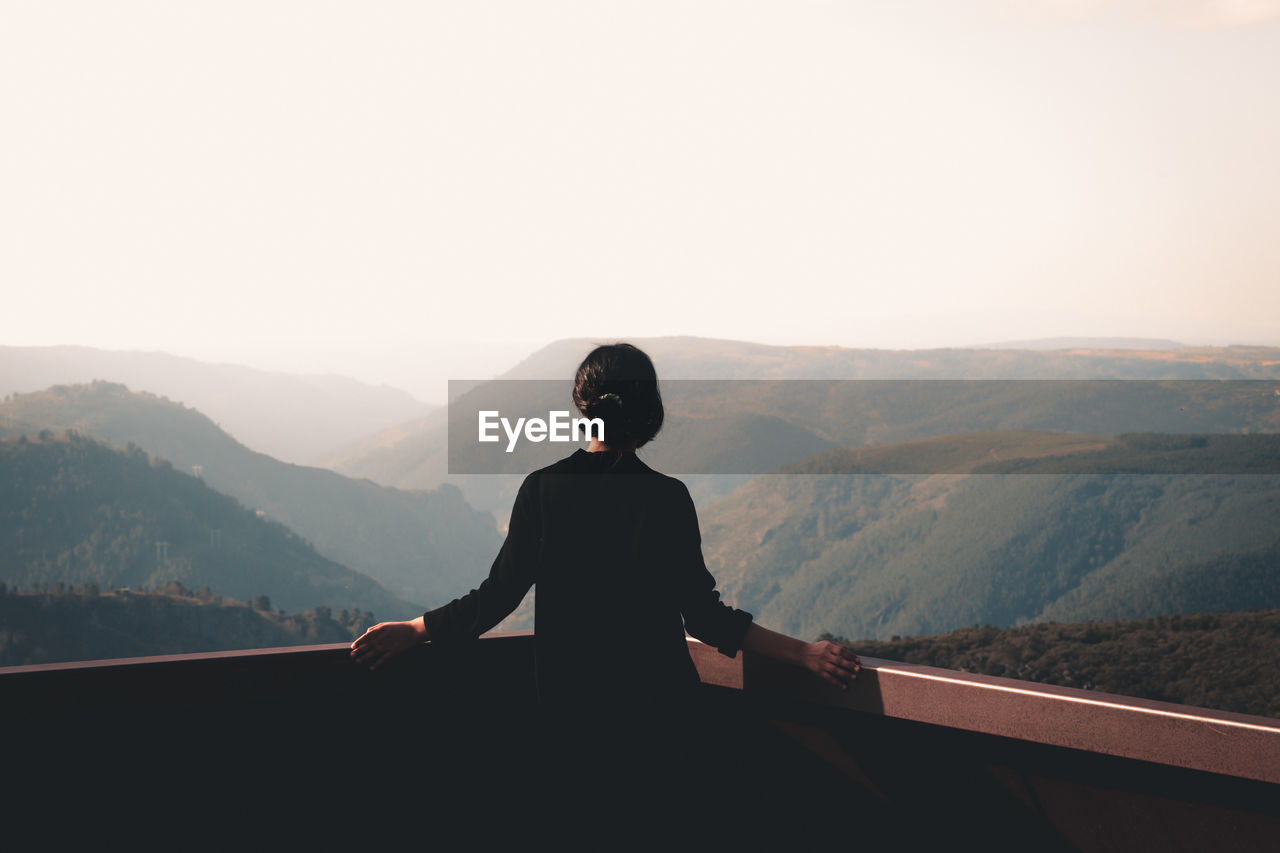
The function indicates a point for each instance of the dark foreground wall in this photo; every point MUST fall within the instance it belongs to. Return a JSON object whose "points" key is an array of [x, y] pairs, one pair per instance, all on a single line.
{"points": [[300, 748]]}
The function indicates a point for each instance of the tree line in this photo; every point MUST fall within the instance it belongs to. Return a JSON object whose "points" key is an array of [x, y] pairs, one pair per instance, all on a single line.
{"points": [[1225, 661]]}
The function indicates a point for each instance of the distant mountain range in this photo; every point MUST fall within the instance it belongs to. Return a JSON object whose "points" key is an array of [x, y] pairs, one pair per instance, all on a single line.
{"points": [[1105, 344], [424, 546], [1110, 358], [295, 418], [874, 529], [831, 547], [750, 426], [74, 511]]}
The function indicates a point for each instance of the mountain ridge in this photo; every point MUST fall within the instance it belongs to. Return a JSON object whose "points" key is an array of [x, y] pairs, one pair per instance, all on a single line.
{"points": [[856, 397], [423, 545], [293, 417], [76, 511]]}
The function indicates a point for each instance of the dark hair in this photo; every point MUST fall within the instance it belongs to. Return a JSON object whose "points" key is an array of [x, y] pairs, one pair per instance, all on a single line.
{"points": [[617, 383]]}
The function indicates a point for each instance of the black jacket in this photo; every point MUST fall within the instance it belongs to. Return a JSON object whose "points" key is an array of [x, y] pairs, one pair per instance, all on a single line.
{"points": [[616, 554]]}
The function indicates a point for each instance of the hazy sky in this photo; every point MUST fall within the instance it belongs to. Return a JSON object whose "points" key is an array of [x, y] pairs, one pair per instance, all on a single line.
{"points": [[352, 186]]}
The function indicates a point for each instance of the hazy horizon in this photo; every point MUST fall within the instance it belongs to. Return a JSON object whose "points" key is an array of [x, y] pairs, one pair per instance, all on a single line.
{"points": [[407, 192], [424, 377]]}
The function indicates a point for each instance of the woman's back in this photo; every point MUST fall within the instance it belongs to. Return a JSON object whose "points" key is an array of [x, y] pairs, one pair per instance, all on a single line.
{"points": [[614, 549], [620, 575]]}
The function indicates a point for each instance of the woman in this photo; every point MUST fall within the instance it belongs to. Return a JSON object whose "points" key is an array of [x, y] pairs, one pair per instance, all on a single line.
{"points": [[615, 550]]}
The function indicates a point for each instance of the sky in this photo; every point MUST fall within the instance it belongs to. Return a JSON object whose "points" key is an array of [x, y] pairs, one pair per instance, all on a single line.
{"points": [[391, 188]]}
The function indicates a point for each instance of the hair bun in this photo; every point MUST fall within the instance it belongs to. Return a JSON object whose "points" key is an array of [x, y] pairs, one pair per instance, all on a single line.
{"points": [[606, 376]]}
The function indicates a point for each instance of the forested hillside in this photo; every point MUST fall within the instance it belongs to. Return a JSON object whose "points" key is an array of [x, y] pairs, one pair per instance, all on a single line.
{"points": [[424, 546], [1225, 661], [872, 555], [75, 511]]}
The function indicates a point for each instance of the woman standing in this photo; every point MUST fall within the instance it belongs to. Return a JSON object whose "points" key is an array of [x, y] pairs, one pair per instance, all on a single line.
{"points": [[615, 550]]}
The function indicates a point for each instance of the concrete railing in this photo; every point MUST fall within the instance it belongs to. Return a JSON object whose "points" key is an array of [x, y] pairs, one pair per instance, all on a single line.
{"points": [[1161, 732], [1016, 764]]}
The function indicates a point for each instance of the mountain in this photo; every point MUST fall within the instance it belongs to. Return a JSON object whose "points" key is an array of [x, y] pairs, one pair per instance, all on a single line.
{"points": [[425, 546], [1224, 661], [990, 538], [1106, 344], [85, 623], [74, 511], [736, 409], [709, 358], [297, 418]]}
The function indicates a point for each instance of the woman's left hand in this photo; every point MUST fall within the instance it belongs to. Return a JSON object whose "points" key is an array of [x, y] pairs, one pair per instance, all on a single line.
{"points": [[385, 640]]}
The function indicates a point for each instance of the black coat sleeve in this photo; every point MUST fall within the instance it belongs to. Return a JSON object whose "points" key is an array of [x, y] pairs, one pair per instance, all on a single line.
{"points": [[514, 570], [705, 615]]}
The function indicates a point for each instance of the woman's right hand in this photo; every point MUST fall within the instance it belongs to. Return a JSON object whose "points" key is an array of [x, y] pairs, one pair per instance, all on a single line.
{"points": [[832, 662], [386, 640]]}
